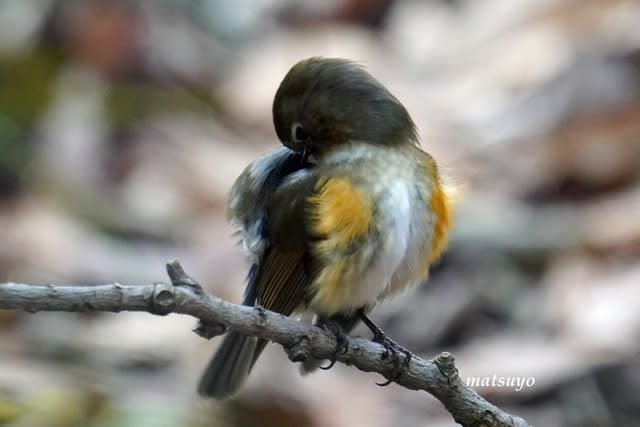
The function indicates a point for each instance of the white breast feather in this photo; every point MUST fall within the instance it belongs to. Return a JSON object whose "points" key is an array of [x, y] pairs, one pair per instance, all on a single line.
{"points": [[394, 229]]}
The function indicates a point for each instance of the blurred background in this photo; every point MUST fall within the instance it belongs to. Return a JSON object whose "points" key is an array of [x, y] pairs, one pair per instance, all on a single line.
{"points": [[124, 123]]}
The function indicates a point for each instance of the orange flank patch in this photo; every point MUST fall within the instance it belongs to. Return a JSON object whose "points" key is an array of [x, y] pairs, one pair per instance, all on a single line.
{"points": [[442, 212], [340, 211], [440, 207], [341, 214]]}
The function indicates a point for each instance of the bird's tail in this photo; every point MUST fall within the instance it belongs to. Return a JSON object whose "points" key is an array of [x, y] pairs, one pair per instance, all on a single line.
{"points": [[229, 367]]}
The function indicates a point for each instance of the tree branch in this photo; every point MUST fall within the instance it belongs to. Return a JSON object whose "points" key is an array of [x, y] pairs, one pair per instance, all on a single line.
{"points": [[438, 376]]}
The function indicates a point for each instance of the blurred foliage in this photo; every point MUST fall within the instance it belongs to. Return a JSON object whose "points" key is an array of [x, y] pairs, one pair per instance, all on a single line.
{"points": [[25, 90]]}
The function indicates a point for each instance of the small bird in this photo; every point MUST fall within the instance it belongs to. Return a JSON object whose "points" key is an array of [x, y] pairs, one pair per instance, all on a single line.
{"points": [[348, 212]]}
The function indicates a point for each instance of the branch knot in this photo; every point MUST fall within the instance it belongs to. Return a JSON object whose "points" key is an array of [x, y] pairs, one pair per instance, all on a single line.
{"points": [[300, 350], [164, 299], [446, 364]]}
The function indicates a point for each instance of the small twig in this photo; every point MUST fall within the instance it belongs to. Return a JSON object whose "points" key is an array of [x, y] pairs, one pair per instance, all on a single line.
{"points": [[184, 295]]}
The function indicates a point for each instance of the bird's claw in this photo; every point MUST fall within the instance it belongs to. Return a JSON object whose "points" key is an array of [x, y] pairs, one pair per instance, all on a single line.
{"points": [[342, 342], [392, 350]]}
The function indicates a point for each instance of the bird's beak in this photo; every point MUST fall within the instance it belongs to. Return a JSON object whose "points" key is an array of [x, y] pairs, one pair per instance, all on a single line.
{"points": [[305, 151]]}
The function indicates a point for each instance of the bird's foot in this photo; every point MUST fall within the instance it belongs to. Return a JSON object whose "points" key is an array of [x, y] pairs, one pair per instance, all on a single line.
{"points": [[342, 342], [392, 350]]}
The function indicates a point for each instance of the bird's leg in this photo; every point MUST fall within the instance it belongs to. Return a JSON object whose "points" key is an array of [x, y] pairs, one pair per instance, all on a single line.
{"points": [[392, 348], [342, 341]]}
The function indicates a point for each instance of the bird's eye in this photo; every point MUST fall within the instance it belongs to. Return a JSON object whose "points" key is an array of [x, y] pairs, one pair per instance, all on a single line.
{"points": [[298, 134]]}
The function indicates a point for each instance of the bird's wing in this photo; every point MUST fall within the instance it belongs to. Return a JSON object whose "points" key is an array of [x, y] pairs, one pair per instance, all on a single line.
{"points": [[310, 223], [286, 269], [322, 230], [251, 193], [267, 203], [284, 272]]}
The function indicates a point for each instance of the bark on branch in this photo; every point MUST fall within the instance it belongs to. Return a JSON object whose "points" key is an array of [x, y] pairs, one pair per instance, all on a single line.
{"points": [[437, 376]]}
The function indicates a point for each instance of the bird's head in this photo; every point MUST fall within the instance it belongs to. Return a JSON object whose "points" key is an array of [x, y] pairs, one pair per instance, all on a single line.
{"points": [[323, 103]]}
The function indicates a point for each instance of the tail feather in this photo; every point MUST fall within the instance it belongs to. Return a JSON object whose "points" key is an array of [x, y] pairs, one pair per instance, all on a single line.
{"points": [[229, 367]]}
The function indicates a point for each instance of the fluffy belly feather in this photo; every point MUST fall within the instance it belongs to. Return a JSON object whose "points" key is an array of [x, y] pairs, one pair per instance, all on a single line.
{"points": [[383, 261]]}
